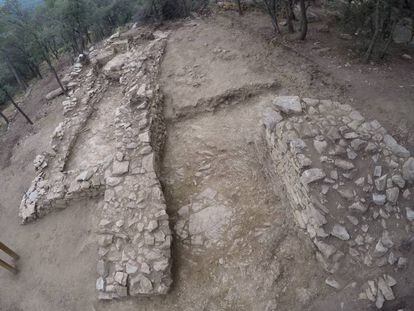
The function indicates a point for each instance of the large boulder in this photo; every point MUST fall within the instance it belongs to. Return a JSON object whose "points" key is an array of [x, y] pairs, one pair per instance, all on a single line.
{"points": [[113, 68]]}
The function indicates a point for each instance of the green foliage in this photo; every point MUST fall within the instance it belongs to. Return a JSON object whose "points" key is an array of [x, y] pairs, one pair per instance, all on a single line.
{"points": [[373, 22], [31, 36]]}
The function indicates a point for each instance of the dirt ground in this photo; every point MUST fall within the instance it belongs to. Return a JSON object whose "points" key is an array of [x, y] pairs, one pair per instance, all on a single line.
{"points": [[248, 262]]}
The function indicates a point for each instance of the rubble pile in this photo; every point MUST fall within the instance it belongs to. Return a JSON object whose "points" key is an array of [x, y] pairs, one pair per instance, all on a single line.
{"points": [[350, 186]]}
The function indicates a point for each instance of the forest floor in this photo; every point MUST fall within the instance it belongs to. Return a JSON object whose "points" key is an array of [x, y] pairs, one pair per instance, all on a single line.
{"points": [[254, 258]]}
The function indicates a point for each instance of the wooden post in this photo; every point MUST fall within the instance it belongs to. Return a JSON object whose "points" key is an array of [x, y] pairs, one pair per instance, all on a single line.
{"points": [[8, 266], [8, 251], [12, 254]]}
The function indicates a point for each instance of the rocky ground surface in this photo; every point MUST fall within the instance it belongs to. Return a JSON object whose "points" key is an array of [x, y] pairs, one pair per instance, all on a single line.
{"points": [[256, 201]]}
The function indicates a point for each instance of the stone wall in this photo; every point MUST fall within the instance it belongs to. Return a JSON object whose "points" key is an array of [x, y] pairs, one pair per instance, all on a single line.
{"points": [[350, 187], [134, 256]]}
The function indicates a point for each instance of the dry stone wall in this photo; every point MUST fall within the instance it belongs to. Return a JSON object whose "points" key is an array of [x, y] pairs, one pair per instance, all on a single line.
{"points": [[350, 186], [134, 257]]}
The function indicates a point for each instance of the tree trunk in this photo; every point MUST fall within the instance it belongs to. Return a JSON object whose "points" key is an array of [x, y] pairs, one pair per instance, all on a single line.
{"points": [[88, 37], [37, 69], [389, 40], [4, 117], [16, 105], [303, 20], [15, 74], [53, 51], [290, 16], [49, 63], [271, 10], [239, 6], [374, 38], [185, 8], [56, 76]]}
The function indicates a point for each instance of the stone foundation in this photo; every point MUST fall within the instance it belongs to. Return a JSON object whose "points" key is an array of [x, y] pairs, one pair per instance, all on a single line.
{"points": [[133, 233], [350, 188]]}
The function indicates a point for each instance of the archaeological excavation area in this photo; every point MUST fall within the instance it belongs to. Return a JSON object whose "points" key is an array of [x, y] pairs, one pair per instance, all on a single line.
{"points": [[181, 174]]}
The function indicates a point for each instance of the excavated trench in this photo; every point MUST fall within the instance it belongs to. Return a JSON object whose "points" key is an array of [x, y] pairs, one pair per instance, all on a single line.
{"points": [[234, 236], [96, 142]]}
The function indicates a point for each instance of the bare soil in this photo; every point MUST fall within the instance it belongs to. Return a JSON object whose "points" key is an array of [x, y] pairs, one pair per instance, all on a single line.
{"points": [[262, 262]]}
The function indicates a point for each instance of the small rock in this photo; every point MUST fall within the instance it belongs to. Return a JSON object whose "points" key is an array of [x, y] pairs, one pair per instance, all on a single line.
{"points": [[397, 149], [140, 285], [358, 144], [371, 147], [359, 240], [332, 282], [392, 259], [386, 240], [288, 104], [105, 240], [345, 36], [377, 171], [100, 284], [131, 268], [380, 300], [381, 182], [385, 289], [406, 56], [398, 180], [346, 193], [303, 160], [402, 262], [152, 225], [271, 118], [390, 280], [121, 278], [358, 206], [320, 146], [351, 154], [379, 199], [392, 194], [102, 268], [340, 232], [161, 265], [353, 220], [345, 165], [120, 168], [297, 145], [408, 170], [327, 250], [312, 175], [360, 181], [409, 213], [380, 249]]}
